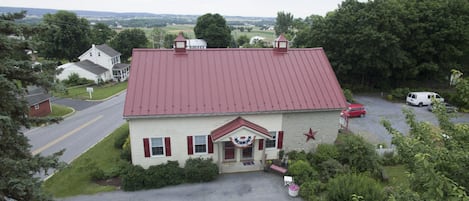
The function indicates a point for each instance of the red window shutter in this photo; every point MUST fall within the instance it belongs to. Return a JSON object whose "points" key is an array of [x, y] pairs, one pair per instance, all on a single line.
{"points": [[167, 145], [261, 144], [146, 147], [280, 140], [190, 147], [210, 144]]}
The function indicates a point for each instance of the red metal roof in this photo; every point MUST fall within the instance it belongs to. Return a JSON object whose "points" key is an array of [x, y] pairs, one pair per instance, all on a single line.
{"points": [[230, 81], [235, 124]]}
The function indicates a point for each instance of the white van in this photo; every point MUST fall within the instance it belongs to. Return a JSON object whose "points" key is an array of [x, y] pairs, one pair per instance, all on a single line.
{"points": [[422, 98]]}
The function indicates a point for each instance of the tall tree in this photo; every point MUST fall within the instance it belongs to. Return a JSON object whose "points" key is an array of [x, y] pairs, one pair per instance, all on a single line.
{"points": [[128, 39], [157, 37], [17, 165], [65, 36], [283, 23], [214, 30], [101, 33]]}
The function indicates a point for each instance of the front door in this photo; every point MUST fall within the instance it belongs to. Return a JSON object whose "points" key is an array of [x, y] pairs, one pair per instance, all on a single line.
{"points": [[229, 150], [247, 153]]}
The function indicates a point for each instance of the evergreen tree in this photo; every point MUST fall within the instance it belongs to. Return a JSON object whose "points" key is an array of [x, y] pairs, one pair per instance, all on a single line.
{"points": [[17, 165]]}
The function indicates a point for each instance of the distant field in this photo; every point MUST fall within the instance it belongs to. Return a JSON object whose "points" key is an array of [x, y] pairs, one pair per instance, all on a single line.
{"points": [[188, 30]]}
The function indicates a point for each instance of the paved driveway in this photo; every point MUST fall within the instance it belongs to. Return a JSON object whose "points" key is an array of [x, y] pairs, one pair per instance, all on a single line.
{"points": [[378, 109], [258, 186]]}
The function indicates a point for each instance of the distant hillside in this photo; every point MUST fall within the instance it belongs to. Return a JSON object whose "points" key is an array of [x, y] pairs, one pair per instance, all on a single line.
{"points": [[39, 12]]}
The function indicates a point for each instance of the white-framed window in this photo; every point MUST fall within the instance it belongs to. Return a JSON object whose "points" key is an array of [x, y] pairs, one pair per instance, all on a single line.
{"points": [[271, 143], [200, 144], [36, 107], [157, 146], [99, 54], [91, 54]]}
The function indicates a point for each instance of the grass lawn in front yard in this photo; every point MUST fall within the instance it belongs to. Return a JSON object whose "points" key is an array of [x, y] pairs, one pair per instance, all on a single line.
{"points": [[99, 92], [397, 175], [76, 178], [60, 110]]}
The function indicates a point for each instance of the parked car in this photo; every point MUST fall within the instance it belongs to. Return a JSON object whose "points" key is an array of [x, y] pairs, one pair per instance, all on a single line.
{"points": [[354, 110], [422, 98], [449, 108]]}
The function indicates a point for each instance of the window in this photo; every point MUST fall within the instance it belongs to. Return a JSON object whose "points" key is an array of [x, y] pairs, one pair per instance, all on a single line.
{"points": [[200, 144], [271, 143], [229, 151], [91, 54], [36, 107], [157, 146], [99, 54]]}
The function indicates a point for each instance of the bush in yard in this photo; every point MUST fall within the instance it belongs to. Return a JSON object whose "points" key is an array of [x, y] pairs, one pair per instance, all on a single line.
{"points": [[158, 176], [400, 93], [133, 178], [355, 152], [310, 190], [74, 80], [343, 187], [126, 153], [302, 171], [295, 155], [120, 140], [348, 95], [200, 170], [324, 152], [329, 169]]}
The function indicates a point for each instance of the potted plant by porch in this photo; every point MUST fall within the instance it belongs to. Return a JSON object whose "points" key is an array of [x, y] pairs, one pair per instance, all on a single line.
{"points": [[293, 190]]}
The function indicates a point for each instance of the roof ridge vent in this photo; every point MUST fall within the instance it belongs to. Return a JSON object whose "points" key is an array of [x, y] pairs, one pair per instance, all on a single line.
{"points": [[180, 43], [281, 44]]}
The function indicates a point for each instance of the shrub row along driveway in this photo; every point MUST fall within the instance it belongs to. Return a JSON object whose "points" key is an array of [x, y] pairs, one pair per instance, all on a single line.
{"points": [[378, 109], [259, 186]]}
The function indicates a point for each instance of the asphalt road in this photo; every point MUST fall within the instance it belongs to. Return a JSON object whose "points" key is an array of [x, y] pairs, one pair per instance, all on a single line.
{"points": [[378, 109], [78, 105], [79, 132]]}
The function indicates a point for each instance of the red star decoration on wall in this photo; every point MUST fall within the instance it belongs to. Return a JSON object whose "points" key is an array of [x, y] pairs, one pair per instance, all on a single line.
{"points": [[310, 135]]}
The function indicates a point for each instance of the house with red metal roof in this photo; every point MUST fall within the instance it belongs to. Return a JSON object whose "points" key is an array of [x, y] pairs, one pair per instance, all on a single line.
{"points": [[238, 106]]}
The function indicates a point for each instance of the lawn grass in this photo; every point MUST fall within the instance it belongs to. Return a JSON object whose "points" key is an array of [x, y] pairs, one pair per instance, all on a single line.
{"points": [[76, 178], [60, 110], [99, 92], [397, 175]]}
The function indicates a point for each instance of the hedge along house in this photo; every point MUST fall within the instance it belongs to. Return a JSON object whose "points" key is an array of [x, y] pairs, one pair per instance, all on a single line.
{"points": [[239, 107]]}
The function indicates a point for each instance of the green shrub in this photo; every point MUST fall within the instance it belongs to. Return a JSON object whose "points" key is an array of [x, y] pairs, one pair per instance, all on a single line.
{"points": [[330, 168], [360, 155], [200, 170], [311, 189], [126, 153], [295, 155], [120, 140], [159, 176], [324, 152], [389, 97], [133, 178], [400, 93], [74, 80], [301, 171], [343, 187], [348, 95], [390, 159]]}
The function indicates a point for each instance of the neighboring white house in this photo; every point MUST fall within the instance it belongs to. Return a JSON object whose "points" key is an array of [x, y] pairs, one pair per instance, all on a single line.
{"points": [[256, 39], [238, 106], [100, 62], [196, 44]]}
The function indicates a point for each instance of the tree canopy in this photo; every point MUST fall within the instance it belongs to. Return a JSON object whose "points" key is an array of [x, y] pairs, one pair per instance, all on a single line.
{"points": [[389, 43], [65, 36], [128, 39], [17, 165], [214, 30], [283, 23], [101, 33]]}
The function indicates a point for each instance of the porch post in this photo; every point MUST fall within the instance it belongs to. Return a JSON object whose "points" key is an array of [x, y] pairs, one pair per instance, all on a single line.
{"points": [[264, 157], [220, 156]]}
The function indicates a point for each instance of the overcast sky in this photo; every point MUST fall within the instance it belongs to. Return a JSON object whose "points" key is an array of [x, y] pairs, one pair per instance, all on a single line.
{"points": [[257, 8]]}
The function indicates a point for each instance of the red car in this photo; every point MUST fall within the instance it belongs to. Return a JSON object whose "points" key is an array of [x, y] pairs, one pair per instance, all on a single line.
{"points": [[354, 110]]}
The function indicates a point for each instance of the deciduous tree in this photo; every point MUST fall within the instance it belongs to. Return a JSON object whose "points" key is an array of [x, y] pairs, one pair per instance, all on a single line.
{"points": [[214, 30], [128, 39], [101, 34], [65, 36]]}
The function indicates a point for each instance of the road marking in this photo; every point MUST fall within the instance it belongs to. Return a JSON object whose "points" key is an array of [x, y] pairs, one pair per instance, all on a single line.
{"points": [[63, 137]]}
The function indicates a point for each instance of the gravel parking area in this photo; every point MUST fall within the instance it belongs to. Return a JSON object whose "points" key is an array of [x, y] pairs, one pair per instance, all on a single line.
{"points": [[378, 109]]}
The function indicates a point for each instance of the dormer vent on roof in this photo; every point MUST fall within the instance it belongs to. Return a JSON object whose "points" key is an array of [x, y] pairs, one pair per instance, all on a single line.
{"points": [[180, 43], [281, 44]]}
